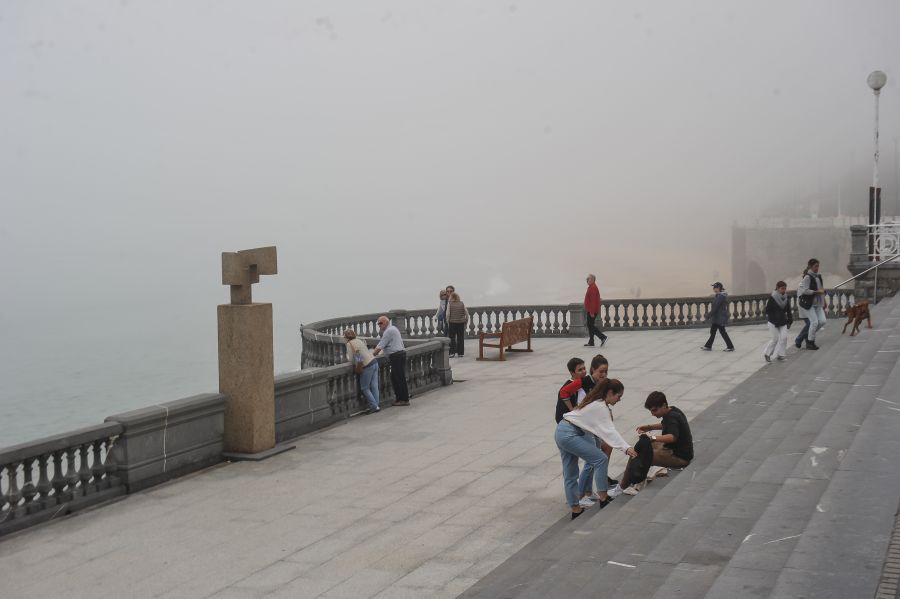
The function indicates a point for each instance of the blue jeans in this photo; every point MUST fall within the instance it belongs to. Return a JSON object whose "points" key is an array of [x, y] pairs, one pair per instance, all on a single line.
{"points": [[586, 478], [368, 384], [803, 333], [816, 322], [572, 446]]}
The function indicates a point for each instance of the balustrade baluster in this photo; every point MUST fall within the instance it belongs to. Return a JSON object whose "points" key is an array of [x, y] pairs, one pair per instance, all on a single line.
{"points": [[97, 466], [680, 320], [28, 489], [635, 312], [13, 495], [43, 484], [84, 473], [71, 472], [555, 315], [59, 481], [652, 319]]}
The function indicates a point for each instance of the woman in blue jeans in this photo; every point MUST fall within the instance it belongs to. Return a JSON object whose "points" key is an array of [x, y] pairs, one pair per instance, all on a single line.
{"points": [[592, 416], [357, 352]]}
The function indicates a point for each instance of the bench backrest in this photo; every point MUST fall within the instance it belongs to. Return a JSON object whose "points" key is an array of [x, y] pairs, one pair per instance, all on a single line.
{"points": [[516, 331]]}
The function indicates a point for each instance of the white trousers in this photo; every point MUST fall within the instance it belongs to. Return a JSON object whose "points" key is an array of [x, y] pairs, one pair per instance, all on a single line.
{"points": [[778, 342], [816, 316]]}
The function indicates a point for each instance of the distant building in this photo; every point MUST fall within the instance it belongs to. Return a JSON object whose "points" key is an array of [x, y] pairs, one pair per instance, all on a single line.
{"points": [[767, 250]]}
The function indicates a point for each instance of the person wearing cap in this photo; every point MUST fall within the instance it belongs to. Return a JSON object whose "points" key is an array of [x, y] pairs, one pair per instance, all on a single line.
{"points": [[718, 316]]}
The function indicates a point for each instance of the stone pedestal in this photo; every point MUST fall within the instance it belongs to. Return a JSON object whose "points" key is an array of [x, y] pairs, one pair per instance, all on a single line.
{"points": [[577, 322], [247, 376]]}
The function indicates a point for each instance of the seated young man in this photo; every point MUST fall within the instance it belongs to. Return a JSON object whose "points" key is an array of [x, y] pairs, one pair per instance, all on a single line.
{"points": [[674, 448]]}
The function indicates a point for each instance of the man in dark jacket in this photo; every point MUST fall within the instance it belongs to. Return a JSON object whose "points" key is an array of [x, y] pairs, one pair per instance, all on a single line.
{"points": [[718, 316]]}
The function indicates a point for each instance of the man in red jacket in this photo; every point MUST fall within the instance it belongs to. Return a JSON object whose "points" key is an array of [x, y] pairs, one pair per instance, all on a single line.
{"points": [[592, 310]]}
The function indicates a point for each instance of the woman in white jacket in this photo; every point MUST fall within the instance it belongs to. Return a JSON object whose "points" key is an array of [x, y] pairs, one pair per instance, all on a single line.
{"points": [[592, 415]]}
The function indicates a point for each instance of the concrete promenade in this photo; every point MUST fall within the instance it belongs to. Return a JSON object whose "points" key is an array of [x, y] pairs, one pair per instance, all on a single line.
{"points": [[411, 502]]}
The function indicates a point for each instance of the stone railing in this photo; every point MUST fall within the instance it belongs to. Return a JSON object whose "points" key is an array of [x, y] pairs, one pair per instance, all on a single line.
{"points": [[64, 473], [328, 390], [57, 475], [134, 450], [324, 346]]}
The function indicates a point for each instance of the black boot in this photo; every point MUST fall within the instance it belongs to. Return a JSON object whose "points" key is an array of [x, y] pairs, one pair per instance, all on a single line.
{"points": [[811, 345]]}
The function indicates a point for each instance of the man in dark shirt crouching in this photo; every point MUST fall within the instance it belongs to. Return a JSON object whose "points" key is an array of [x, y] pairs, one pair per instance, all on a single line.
{"points": [[674, 448]]}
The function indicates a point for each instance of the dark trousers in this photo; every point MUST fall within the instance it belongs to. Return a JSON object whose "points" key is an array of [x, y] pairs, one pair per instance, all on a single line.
{"points": [[457, 338], [803, 333], [725, 337], [592, 328], [398, 375]]}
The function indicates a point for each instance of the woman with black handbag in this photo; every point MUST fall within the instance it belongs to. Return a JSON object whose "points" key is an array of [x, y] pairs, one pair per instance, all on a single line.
{"points": [[811, 304]]}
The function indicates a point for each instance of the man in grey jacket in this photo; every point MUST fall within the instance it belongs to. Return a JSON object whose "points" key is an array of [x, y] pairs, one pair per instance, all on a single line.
{"points": [[718, 316]]}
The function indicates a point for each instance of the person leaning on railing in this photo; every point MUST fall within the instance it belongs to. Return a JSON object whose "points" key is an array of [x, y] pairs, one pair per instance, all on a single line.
{"points": [[357, 352]]}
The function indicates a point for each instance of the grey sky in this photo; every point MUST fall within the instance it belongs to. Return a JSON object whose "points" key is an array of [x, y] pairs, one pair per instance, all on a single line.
{"points": [[388, 149]]}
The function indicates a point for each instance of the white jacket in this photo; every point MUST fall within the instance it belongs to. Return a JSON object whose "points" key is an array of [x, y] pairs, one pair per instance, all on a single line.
{"points": [[596, 418]]}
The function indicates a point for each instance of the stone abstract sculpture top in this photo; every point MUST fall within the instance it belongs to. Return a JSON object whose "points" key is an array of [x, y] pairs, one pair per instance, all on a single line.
{"points": [[242, 269]]}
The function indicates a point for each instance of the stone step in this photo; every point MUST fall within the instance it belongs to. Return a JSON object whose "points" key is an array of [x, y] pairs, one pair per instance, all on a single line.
{"points": [[746, 478], [724, 433], [764, 552], [855, 515]]}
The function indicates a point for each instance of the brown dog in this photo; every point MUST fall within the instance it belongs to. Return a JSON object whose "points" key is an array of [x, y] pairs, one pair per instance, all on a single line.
{"points": [[856, 314]]}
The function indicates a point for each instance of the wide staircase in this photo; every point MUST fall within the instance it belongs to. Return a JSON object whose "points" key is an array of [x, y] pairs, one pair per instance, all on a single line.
{"points": [[793, 492]]}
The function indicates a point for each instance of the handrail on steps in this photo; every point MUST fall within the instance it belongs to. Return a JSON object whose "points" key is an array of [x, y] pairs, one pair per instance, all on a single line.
{"points": [[875, 268]]}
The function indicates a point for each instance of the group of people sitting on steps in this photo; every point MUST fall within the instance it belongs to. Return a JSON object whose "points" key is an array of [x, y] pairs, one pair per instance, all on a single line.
{"points": [[585, 430]]}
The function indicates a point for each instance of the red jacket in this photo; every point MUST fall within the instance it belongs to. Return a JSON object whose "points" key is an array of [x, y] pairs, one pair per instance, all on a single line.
{"points": [[592, 299]]}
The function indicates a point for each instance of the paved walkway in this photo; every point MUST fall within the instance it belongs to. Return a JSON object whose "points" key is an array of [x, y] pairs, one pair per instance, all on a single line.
{"points": [[412, 502]]}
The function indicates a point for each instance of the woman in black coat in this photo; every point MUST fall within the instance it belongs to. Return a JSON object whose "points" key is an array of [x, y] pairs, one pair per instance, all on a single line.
{"points": [[778, 314]]}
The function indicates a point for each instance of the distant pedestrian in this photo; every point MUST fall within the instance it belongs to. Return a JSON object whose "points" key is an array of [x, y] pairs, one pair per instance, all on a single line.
{"points": [[392, 345], [357, 352], [457, 317], [718, 316], [779, 317], [441, 314], [592, 302], [811, 304]]}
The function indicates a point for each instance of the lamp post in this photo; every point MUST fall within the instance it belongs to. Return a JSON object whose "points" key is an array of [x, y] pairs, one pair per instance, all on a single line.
{"points": [[876, 81]]}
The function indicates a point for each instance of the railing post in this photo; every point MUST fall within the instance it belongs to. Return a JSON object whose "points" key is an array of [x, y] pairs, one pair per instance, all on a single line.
{"points": [[442, 362], [398, 319], [577, 327]]}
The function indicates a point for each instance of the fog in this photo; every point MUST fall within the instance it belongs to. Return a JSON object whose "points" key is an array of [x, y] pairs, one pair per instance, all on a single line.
{"points": [[388, 149]]}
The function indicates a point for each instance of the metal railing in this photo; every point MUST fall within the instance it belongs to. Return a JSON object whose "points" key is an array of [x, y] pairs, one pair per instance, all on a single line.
{"points": [[868, 270]]}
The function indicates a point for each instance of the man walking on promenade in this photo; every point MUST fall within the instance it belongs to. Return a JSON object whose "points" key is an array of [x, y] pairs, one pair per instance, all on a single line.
{"points": [[592, 310], [718, 315], [392, 345]]}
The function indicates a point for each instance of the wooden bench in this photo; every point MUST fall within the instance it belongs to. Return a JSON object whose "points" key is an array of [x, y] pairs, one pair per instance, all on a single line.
{"points": [[512, 332]]}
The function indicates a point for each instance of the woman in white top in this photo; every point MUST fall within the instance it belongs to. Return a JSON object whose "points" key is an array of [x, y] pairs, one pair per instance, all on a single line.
{"points": [[368, 378], [593, 415]]}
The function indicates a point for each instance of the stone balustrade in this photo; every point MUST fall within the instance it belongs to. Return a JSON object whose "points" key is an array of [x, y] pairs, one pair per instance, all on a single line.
{"points": [[57, 475], [324, 346], [327, 391]]}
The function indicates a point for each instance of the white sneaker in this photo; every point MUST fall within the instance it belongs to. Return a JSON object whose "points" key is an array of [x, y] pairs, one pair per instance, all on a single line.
{"points": [[586, 502], [593, 496], [632, 490], [614, 492]]}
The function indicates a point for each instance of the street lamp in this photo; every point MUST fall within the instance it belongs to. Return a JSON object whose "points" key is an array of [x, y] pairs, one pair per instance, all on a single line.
{"points": [[876, 81]]}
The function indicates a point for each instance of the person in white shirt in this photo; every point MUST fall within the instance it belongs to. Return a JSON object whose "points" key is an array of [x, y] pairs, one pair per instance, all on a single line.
{"points": [[592, 415]]}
